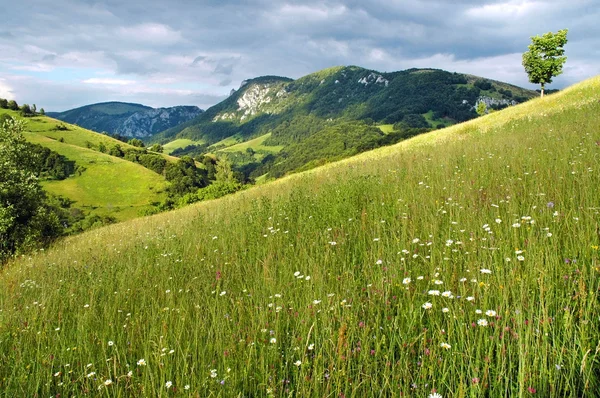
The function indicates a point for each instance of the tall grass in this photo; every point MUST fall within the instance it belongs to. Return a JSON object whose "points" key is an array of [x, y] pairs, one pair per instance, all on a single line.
{"points": [[464, 263]]}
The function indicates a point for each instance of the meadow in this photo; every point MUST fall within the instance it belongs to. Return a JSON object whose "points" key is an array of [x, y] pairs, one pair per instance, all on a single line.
{"points": [[108, 186], [460, 263]]}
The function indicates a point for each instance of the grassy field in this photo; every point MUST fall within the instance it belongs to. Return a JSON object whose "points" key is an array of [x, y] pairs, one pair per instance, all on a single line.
{"points": [[386, 128], [109, 186], [256, 144], [463, 262], [179, 143]]}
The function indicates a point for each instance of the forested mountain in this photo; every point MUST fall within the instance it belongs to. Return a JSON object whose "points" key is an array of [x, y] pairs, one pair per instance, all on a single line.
{"points": [[334, 113], [130, 120]]}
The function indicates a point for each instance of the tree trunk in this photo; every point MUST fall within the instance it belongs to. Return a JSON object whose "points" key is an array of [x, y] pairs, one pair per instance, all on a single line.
{"points": [[542, 91]]}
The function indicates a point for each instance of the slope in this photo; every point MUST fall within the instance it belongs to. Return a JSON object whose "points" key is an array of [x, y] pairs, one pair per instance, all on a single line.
{"points": [[353, 99], [463, 261], [108, 186]]}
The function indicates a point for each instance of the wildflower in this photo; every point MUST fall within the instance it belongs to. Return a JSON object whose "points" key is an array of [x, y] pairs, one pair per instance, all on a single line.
{"points": [[520, 258], [438, 282], [498, 221], [108, 382], [186, 387], [91, 374], [445, 346], [379, 262], [445, 310], [462, 280], [273, 340], [434, 395], [315, 302], [332, 243], [490, 313], [416, 240], [478, 311], [470, 298], [311, 347], [298, 363], [485, 271], [168, 384], [141, 362], [86, 306], [406, 281], [111, 343], [129, 374], [223, 293], [307, 277], [213, 373], [427, 305], [56, 374], [419, 278], [434, 292], [447, 294], [482, 322], [296, 273]]}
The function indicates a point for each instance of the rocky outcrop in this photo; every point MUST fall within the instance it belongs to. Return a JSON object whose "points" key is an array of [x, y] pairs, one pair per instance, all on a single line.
{"points": [[147, 123]]}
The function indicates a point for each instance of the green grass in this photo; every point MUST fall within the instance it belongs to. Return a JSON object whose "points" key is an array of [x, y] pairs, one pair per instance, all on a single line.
{"points": [[178, 144], [75, 135], [316, 285], [256, 144], [386, 128], [435, 122], [108, 186]]}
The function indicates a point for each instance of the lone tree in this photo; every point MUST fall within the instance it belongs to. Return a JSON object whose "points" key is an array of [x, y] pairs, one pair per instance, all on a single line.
{"points": [[545, 57]]}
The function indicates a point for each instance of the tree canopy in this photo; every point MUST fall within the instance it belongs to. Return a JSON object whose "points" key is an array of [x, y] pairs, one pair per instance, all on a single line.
{"points": [[545, 58]]}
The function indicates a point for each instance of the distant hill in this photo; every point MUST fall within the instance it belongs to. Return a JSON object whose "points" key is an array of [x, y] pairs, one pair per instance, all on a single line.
{"points": [[130, 120], [333, 113]]}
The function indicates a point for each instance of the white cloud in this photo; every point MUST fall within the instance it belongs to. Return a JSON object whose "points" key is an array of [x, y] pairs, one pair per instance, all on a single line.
{"points": [[151, 33], [109, 81], [6, 91], [507, 11]]}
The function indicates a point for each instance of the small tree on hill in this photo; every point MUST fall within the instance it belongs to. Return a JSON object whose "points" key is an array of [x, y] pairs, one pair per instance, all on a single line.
{"points": [[481, 108], [545, 57]]}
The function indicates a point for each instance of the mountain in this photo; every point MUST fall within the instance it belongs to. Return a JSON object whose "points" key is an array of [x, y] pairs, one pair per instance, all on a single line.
{"points": [[333, 113], [130, 120], [464, 262]]}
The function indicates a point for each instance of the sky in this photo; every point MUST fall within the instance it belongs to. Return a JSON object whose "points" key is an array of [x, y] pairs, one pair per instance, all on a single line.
{"points": [[62, 54]]}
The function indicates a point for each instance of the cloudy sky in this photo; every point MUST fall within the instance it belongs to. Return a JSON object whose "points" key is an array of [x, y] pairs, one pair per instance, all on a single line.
{"points": [[61, 54]]}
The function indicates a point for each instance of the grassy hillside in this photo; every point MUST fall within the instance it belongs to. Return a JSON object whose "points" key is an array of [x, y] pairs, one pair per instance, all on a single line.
{"points": [[109, 186], [463, 262]]}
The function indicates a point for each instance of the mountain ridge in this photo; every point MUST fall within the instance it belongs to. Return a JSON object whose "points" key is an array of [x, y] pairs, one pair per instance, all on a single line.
{"points": [[293, 111], [127, 119]]}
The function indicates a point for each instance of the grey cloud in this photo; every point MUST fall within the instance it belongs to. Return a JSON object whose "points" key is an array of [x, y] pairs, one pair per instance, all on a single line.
{"points": [[198, 59], [211, 43]]}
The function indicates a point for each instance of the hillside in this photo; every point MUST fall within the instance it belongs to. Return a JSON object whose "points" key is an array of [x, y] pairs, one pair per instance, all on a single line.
{"points": [[108, 186], [463, 262], [343, 106], [129, 120]]}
